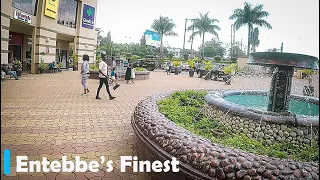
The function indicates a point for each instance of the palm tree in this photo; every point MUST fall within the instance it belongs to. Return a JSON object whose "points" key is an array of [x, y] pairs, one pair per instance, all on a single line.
{"points": [[164, 26], [249, 16], [254, 39], [204, 25]]}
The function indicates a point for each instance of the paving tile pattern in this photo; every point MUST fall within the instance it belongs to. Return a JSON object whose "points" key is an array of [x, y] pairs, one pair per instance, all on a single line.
{"points": [[46, 116]]}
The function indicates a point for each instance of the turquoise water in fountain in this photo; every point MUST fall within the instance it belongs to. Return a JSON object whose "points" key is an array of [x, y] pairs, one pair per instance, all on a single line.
{"points": [[259, 102]]}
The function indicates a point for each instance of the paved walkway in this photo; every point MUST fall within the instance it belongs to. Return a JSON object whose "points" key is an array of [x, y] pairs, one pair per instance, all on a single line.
{"points": [[46, 116]]}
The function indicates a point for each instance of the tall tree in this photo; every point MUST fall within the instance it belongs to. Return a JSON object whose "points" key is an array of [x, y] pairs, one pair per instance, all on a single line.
{"points": [[254, 39], [164, 26], [214, 48], [109, 43], [143, 41], [99, 36], [249, 16], [204, 25]]}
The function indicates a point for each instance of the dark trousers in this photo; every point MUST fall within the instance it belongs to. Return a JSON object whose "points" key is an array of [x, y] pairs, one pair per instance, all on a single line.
{"points": [[104, 81]]}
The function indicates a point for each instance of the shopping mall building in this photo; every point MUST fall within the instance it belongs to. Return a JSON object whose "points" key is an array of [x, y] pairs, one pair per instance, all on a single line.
{"points": [[51, 30]]}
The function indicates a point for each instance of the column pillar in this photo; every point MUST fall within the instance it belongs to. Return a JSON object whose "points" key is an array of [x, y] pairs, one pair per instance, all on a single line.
{"points": [[34, 59], [280, 89], [5, 27], [24, 53]]}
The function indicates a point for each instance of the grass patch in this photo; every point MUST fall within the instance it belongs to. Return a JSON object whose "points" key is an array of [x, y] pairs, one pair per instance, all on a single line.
{"points": [[140, 69], [94, 67], [184, 108]]}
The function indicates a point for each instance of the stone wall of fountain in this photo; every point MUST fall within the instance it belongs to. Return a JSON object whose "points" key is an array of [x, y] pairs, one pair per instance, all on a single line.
{"points": [[268, 132], [269, 128]]}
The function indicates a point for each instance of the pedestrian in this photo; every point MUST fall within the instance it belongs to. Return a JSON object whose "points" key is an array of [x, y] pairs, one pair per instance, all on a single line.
{"points": [[85, 73], [113, 75], [6, 70], [103, 69], [128, 72], [167, 69], [133, 74], [114, 64], [170, 68]]}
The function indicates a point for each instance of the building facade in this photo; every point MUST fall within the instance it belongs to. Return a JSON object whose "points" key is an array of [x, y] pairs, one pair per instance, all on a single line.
{"points": [[175, 51], [48, 30]]}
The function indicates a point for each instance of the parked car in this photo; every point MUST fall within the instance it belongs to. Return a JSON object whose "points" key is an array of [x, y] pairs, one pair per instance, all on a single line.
{"points": [[185, 67], [173, 69], [150, 65]]}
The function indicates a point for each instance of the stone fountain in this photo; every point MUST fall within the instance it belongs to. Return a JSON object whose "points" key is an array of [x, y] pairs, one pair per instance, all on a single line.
{"points": [[277, 123], [158, 138], [284, 64]]}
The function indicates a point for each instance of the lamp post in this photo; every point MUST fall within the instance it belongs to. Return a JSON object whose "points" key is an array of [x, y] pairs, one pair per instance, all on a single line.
{"points": [[112, 45], [127, 37]]}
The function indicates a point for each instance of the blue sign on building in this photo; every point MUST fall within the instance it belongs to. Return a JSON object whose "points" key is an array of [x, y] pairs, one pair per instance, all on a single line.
{"points": [[88, 16]]}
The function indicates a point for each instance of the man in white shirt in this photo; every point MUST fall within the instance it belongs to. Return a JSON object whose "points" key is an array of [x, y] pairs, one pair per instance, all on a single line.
{"points": [[103, 69]]}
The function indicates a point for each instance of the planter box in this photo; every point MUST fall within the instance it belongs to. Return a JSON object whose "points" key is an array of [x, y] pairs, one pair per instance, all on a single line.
{"points": [[94, 74]]}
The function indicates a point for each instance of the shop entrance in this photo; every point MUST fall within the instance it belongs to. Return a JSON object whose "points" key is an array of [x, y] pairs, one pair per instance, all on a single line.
{"points": [[62, 57], [20, 36], [15, 44]]}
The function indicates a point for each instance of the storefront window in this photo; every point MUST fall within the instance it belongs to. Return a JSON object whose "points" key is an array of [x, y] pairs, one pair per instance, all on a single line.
{"points": [[67, 13], [28, 6]]}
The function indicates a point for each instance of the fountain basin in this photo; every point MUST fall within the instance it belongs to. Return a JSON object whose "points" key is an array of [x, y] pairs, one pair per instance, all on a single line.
{"points": [[158, 138], [283, 59], [301, 106], [299, 129]]}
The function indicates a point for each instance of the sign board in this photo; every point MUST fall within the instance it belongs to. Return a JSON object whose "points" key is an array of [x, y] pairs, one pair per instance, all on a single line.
{"points": [[51, 8], [22, 16], [152, 38], [88, 16]]}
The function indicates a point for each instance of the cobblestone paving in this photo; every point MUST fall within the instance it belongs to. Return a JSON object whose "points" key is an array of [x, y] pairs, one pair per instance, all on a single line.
{"points": [[46, 116]]}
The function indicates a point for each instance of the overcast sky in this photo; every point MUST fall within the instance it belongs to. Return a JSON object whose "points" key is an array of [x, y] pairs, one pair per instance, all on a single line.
{"points": [[295, 23]]}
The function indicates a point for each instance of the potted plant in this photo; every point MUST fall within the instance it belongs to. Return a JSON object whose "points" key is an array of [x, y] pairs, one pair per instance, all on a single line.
{"points": [[207, 67], [176, 65], [42, 66], [192, 66], [75, 62], [60, 65], [18, 67], [228, 70]]}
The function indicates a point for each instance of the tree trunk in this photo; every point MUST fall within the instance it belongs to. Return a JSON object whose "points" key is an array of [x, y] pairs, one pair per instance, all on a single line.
{"points": [[203, 46], [161, 46], [249, 31], [192, 41]]}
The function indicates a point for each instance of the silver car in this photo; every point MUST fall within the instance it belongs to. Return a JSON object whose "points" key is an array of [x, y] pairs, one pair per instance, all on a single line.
{"points": [[185, 66]]}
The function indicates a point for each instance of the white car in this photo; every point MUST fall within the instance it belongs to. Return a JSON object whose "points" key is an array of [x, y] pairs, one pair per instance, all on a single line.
{"points": [[185, 66]]}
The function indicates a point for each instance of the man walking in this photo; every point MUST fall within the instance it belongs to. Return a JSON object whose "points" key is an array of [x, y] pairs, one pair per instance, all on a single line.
{"points": [[103, 69]]}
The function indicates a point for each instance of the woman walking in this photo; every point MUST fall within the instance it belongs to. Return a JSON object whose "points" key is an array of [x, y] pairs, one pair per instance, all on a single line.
{"points": [[133, 74], [128, 72], [85, 73]]}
